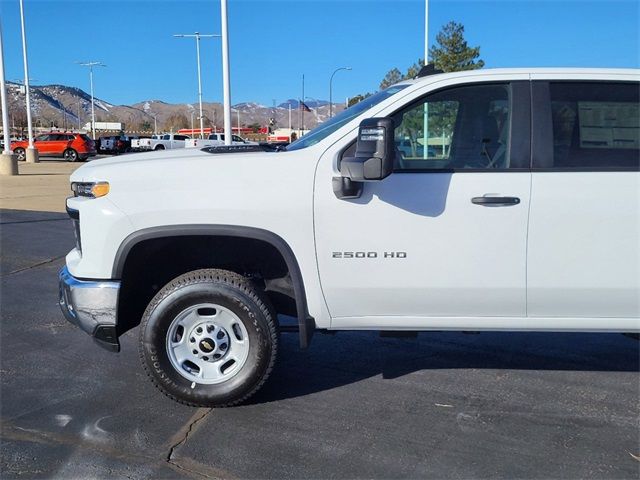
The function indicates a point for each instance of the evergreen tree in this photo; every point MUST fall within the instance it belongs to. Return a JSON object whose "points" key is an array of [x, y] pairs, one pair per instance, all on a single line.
{"points": [[452, 53], [393, 76]]}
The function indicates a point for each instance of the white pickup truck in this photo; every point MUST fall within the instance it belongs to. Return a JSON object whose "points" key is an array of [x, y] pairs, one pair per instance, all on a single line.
{"points": [[167, 141], [216, 140], [523, 217]]}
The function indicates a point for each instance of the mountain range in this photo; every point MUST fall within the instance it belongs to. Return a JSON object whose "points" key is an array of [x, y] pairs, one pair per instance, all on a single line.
{"points": [[67, 107]]}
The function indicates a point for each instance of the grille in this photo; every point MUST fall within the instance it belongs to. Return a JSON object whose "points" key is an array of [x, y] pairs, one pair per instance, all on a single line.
{"points": [[76, 232]]}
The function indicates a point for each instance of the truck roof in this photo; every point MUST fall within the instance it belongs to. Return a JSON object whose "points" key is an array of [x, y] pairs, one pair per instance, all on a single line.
{"points": [[583, 73]]}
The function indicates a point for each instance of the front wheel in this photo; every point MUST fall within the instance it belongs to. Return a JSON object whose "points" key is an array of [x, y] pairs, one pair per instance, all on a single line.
{"points": [[20, 154], [208, 338], [70, 155]]}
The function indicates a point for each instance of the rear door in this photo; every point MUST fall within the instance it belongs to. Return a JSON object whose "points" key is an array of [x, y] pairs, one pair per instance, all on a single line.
{"points": [[58, 143], [584, 227]]}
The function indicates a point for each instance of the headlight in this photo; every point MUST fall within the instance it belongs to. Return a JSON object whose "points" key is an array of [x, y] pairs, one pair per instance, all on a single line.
{"points": [[90, 189]]}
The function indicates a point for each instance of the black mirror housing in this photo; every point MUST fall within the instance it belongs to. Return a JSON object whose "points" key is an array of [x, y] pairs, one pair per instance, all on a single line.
{"points": [[375, 152]]}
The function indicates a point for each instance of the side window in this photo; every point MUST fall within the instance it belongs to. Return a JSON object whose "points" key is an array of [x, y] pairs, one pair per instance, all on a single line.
{"points": [[42, 138], [166, 137], [595, 125], [459, 128]]}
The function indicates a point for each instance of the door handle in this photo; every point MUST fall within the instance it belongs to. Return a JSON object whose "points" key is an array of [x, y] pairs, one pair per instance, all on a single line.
{"points": [[495, 201]]}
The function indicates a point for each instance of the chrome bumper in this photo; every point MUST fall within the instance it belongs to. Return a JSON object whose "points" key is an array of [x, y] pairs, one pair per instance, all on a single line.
{"points": [[92, 306]]}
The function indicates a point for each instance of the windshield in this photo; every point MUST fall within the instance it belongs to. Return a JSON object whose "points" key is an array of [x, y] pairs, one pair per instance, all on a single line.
{"points": [[327, 128]]}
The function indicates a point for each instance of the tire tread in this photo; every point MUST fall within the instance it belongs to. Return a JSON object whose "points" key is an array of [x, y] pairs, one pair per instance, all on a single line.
{"points": [[218, 276]]}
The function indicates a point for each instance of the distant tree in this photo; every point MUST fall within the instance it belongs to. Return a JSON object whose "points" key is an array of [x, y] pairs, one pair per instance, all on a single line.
{"points": [[146, 126], [393, 76], [255, 127], [357, 99], [413, 70], [452, 53]]}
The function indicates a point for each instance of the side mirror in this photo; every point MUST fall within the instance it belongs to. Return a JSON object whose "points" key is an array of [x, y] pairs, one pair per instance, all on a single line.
{"points": [[373, 161], [375, 152]]}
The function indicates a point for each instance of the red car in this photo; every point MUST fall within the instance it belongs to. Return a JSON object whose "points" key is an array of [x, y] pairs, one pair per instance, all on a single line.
{"points": [[70, 146]]}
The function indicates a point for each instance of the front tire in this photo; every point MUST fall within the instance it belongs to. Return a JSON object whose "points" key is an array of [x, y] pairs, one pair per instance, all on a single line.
{"points": [[208, 338], [20, 154]]}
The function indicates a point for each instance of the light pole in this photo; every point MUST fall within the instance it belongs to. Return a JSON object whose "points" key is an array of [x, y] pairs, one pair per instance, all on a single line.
{"points": [[78, 116], [32, 153], [198, 36], [226, 88], [93, 112], [331, 89], [425, 129], [8, 161], [155, 123]]}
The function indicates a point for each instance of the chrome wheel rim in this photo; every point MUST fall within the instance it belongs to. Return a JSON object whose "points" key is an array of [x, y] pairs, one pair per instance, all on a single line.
{"points": [[70, 155], [21, 155], [207, 344]]}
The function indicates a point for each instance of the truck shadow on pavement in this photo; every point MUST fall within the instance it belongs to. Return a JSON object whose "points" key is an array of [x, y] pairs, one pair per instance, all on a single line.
{"points": [[349, 357]]}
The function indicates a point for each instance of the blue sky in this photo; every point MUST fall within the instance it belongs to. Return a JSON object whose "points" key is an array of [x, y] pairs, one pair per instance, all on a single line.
{"points": [[274, 42]]}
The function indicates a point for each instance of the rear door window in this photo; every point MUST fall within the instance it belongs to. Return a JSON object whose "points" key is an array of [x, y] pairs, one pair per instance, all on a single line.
{"points": [[596, 125]]}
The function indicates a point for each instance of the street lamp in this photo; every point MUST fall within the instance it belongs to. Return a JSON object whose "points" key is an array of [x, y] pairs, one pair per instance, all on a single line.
{"points": [[93, 113], [331, 89], [8, 161], [198, 36], [226, 81], [155, 123], [32, 153], [78, 104]]}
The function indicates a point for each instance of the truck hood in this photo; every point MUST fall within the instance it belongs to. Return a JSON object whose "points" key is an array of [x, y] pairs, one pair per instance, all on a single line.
{"points": [[169, 164]]}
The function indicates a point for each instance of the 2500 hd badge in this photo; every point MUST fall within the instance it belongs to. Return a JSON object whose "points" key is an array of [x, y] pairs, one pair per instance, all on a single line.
{"points": [[369, 255]]}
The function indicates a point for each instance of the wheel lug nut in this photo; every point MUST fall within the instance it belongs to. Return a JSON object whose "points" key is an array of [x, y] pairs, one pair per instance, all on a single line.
{"points": [[195, 352], [223, 346], [192, 339], [209, 328], [199, 329], [206, 359]]}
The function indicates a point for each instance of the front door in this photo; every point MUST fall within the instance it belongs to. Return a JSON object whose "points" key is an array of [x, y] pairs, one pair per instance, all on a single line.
{"points": [[443, 239], [44, 143]]}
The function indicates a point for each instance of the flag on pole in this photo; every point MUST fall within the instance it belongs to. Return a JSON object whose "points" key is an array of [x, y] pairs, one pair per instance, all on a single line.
{"points": [[304, 107]]}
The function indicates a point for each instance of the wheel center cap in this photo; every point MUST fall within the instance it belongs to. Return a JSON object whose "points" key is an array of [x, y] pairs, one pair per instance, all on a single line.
{"points": [[207, 345]]}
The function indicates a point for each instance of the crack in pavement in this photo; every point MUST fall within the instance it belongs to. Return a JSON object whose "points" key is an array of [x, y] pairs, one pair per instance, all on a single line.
{"points": [[181, 437], [39, 264]]}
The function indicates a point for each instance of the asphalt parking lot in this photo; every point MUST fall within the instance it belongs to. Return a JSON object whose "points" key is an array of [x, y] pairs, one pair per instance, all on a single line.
{"points": [[447, 405]]}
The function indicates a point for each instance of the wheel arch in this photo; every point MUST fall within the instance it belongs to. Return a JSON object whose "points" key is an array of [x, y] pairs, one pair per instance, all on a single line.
{"points": [[306, 323]]}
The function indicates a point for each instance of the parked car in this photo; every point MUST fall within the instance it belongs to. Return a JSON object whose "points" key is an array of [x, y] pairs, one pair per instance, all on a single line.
{"points": [[115, 144], [167, 141], [216, 139], [136, 142], [70, 146], [416, 150], [529, 222]]}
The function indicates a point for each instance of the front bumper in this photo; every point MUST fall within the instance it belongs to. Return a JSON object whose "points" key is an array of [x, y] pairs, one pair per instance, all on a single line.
{"points": [[92, 306]]}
